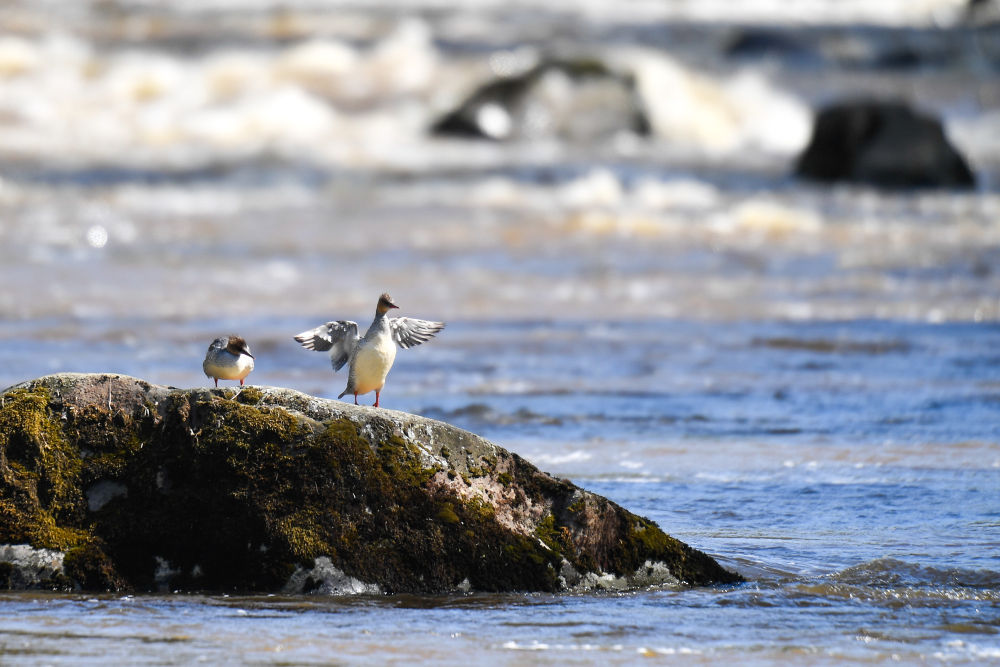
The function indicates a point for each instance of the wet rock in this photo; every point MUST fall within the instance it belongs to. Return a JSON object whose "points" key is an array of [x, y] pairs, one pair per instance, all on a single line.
{"points": [[772, 43], [118, 484], [22, 566], [884, 144], [982, 12], [576, 100]]}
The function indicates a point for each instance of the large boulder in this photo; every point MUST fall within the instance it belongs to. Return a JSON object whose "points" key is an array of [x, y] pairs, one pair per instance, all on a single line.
{"points": [[580, 100], [883, 144], [112, 483]]}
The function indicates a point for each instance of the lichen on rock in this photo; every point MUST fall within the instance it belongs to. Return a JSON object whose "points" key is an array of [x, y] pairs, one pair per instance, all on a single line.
{"points": [[144, 487]]}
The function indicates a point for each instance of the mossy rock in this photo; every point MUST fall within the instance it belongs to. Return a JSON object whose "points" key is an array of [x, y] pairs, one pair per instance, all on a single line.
{"points": [[144, 487]]}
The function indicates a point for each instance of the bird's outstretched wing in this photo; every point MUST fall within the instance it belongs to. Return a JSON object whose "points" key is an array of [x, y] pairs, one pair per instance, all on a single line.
{"points": [[339, 337], [409, 332]]}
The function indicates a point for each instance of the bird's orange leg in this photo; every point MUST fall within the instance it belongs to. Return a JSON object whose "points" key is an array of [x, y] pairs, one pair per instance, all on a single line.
{"points": [[376, 397]]}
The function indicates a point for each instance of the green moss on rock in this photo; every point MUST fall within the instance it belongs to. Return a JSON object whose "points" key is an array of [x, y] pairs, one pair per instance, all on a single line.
{"points": [[447, 514], [144, 487], [40, 471]]}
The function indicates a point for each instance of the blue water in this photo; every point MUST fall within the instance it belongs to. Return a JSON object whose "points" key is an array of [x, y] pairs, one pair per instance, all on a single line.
{"points": [[849, 470]]}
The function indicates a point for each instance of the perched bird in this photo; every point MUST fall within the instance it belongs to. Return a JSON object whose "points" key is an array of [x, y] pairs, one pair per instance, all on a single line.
{"points": [[370, 357], [228, 358]]}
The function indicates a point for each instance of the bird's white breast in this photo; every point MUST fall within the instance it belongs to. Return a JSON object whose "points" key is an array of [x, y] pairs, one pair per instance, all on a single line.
{"points": [[227, 367], [372, 363]]}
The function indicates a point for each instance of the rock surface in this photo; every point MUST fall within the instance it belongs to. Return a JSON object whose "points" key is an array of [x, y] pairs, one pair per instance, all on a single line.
{"points": [[112, 483], [884, 144], [576, 99]]}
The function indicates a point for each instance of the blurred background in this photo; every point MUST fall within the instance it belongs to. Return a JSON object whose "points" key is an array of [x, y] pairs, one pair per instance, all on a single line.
{"points": [[236, 159]]}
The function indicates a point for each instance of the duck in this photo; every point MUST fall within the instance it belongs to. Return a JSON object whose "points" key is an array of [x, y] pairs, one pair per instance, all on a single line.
{"points": [[369, 357], [228, 358]]}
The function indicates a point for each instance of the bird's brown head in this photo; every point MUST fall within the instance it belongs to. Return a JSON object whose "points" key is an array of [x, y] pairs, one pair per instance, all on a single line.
{"points": [[385, 304], [238, 346]]}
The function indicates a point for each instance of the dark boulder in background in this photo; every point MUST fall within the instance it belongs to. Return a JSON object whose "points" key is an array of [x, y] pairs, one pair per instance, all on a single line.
{"points": [[760, 43], [882, 144]]}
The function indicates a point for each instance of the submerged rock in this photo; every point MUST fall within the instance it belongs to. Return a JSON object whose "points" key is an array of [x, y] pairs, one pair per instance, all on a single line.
{"points": [[752, 43], [884, 144], [112, 483]]}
